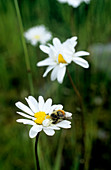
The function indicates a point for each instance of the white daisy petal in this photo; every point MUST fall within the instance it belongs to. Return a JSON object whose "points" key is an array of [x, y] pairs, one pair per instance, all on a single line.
{"points": [[24, 108], [87, 1], [44, 48], [71, 42], [62, 1], [56, 43], [32, 104], [54, 127], [35, 103], [61, 74], [27, 116], [68, 114], [46, 62], [52, 108], [81, 53], [64, 124], [55, 107], [46, 122], [74, 3], [26, 121], [34, 130], [48, 70], [53, 52], [54, 73], [73, 39], [41, 103], [61, 65], [47, 105], [48, 131], [81, 62], [33, 134], [75, 43], [68, 58], [59, 107]]}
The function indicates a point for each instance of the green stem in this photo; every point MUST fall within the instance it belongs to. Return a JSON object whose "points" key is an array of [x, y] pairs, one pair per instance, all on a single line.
{"points": [[25, 49], [82, 159], [74, 88], [36, 155]]}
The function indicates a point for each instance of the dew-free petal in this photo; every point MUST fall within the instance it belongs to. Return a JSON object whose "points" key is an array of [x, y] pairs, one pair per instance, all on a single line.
{"points": [[34, 131], [81, 62], [24, 108], [26, 121], [48, 131]]}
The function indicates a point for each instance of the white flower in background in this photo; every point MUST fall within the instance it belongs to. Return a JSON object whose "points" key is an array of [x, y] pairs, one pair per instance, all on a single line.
{"points": [[73, 3], [37, 34], [60, 55], [87, 1], [38, 115], [62, 1]]}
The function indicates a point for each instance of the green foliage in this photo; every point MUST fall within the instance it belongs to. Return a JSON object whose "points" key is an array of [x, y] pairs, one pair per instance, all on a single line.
{"points": [[92, 24]]}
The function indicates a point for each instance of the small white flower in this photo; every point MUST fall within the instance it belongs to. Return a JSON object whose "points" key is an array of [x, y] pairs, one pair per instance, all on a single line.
{"points": [[37, 34], [87, 1], [38, 115], [73, 3], [60, 55]]}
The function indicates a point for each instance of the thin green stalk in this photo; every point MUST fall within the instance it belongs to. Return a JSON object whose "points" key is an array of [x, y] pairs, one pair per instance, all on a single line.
{"points": [[36, 155], [82, 158], [74, 87], [25, 49]]}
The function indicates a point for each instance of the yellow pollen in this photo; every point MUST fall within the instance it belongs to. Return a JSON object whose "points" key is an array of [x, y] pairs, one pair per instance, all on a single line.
{"points": [[41, 116], [61, 59], [37, 37]]}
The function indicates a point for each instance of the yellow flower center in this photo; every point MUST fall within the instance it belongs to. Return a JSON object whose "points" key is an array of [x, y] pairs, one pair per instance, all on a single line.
{"points": [[61, 59], [41, 116], [37, 37]]}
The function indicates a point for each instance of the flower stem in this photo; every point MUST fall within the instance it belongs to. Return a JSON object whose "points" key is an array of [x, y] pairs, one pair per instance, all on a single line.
{"points": [[74, 87], [36, 155], [82, 159], [25, 48]]}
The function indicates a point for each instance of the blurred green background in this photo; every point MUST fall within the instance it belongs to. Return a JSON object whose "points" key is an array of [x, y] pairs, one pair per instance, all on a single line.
{"points": [[92, 25]]}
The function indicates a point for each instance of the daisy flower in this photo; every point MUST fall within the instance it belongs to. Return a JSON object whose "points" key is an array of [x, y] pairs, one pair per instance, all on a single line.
{"points": [[39, 115], [60, 55], [37, 34], [73, 3]]}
